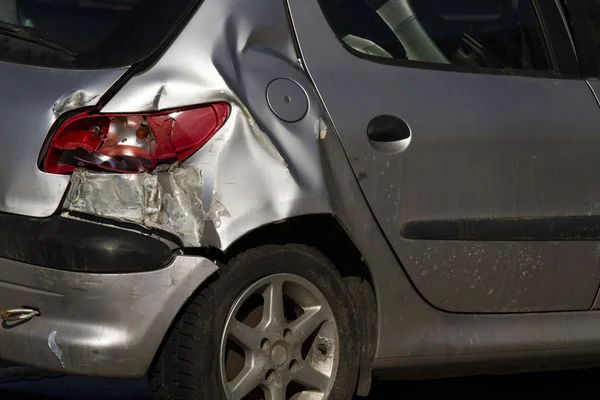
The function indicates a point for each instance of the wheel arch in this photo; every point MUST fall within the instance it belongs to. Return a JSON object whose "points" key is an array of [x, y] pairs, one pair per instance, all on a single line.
{"points": [[325, 233]]}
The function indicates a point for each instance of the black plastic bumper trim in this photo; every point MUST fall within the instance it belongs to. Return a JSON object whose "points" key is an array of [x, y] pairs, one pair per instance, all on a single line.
{"points": [[79, 246]]}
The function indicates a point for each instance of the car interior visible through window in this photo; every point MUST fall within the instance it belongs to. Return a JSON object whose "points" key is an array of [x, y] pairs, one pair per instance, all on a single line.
{"points": [[593, 21], [498, 34]]}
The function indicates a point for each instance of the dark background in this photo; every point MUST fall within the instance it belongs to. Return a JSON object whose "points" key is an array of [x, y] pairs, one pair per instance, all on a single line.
{"points": [[572, 385]]}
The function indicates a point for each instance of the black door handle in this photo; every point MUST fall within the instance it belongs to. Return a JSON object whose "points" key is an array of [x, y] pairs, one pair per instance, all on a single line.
{"points": [[387, 128]]}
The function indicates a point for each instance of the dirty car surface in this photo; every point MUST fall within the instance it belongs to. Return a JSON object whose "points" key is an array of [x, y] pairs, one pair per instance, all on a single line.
{"points": [[269, 199]]}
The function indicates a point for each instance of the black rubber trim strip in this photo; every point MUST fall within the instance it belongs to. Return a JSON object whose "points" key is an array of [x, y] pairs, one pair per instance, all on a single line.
{"points": [[79, 246], [557, 37], [577, 12], [506, 229]]}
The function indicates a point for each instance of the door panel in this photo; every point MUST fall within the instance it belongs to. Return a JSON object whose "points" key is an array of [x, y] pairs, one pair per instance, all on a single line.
{"points": [[482, 147]]}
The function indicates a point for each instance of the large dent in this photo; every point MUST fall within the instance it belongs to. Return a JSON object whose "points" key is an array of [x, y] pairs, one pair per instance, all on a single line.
{"points": [[257, 169]]}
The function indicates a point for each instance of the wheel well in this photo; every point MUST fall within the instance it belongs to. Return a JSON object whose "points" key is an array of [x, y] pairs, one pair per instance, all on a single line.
{"points": [[325, 233], [321, 231]]}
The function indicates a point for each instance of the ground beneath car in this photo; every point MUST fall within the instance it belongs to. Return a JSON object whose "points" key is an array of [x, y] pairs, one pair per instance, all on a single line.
{"points": [[575, 385]]}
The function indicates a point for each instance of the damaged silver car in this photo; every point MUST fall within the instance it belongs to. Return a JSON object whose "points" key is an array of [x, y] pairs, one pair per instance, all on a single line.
{"points": [[280, 199]]}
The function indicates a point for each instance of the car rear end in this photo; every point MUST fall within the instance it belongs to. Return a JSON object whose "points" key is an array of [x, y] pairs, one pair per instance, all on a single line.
{"points": [[140, 163], [78, 293]]}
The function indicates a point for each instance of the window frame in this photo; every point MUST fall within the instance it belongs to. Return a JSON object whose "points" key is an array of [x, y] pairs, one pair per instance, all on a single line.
{"points": [[589, 59], [558, 40], [144, 58]]}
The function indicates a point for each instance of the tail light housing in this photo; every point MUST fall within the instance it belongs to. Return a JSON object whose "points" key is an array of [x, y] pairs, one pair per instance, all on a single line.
{"points": [[131, 143]]}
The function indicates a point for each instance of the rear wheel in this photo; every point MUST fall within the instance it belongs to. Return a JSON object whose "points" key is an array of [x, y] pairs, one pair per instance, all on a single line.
{"points": [[277, 324]]}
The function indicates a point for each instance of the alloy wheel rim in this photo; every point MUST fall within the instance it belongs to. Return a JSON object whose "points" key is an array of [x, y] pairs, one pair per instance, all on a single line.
{"points": [[280, 341]]}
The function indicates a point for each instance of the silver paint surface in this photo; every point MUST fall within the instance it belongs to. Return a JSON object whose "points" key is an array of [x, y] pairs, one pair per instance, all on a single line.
{"points": [[416, 339], [95, 324], [32, 101], [482, 146], [287, 100], [257, 169]]}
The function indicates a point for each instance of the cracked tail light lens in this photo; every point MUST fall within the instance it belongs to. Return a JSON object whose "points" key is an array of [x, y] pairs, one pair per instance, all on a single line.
{"points": [[132, 143]]}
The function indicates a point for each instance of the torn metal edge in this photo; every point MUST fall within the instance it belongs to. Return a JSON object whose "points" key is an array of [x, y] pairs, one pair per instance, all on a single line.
{"points": [[74, 100], [166, 200]]}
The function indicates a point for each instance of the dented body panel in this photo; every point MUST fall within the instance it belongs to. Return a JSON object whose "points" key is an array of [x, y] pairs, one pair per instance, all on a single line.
{"points": [[168, 201], [258, 169], [480, 146], [255, 171]]}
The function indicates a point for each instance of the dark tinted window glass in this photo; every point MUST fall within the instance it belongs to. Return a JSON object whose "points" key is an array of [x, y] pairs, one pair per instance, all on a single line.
{"points": [[86, 33], [594, 23], [500, 34]]}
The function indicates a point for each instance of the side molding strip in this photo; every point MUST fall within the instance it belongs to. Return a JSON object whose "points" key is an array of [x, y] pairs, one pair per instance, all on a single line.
{"points": [[506, 229]]}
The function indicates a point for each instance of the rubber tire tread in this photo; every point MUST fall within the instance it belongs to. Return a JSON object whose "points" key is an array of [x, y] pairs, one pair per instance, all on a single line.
{"points": [[191, 372]]}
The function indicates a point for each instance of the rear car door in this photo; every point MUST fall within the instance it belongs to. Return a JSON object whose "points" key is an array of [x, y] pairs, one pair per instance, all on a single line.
{"points": [[475, 140], [584, 17]]}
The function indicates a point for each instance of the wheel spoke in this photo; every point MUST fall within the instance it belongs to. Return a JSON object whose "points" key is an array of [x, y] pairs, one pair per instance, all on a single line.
{"points": [[309, 377], [246, 381], [273, 297], [245, 336], [275, 392], [308, 323], [277, 352]]}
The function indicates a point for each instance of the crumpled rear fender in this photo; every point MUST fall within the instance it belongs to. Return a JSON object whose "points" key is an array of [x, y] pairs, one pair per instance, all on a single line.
{"points": [[257, 169]]}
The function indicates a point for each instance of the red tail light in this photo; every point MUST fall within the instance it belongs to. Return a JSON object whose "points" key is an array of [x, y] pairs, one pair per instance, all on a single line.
{"points": [[132, 143]]}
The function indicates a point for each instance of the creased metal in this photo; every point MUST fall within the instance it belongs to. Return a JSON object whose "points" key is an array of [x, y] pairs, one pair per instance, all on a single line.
{"points": [[73, 100], [166, 200], [257, 169]]}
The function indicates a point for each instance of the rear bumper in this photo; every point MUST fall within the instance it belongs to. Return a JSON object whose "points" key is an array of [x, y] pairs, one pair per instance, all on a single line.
{"points": [[76, 245], [107, 325]]}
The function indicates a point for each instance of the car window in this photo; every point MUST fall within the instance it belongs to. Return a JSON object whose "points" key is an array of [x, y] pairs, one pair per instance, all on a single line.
{"points": [[499, 34], [593, 16], [86, 33]]}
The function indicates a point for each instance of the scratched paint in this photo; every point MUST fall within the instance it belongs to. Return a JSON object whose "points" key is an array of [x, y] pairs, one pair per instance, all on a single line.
{"points": [[54, 347]]}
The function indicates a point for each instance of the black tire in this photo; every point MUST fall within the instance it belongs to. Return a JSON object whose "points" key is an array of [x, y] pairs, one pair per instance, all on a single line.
{"points": [[163, 383], [188, 367]]}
